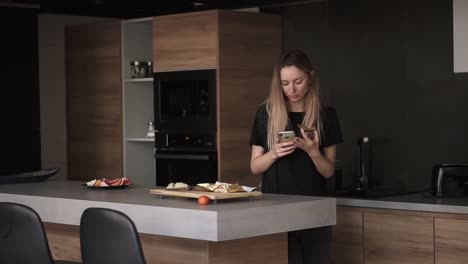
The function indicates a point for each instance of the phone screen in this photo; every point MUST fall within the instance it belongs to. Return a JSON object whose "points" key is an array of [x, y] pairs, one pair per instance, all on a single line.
{"points": [[285, 136]]}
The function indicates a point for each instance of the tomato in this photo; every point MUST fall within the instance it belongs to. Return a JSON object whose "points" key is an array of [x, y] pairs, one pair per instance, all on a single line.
{"points": [[203, 200]]}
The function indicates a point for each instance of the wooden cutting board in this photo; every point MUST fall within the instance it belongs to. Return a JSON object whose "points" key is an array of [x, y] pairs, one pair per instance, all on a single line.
{"points": [[211, 195]]}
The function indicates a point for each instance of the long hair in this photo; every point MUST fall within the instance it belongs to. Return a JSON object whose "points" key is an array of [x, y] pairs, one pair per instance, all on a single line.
{"points": [[276, 105]]}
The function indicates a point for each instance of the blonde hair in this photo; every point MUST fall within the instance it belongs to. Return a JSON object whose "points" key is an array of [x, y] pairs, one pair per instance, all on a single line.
{"points": [[276, 105]]}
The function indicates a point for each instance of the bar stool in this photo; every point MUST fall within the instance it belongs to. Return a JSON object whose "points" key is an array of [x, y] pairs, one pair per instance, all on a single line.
{"points": [[22, 236], [109, 237]]}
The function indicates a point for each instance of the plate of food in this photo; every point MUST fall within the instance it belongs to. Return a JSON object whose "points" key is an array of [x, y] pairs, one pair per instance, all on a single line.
{"points": [[118, 183]]}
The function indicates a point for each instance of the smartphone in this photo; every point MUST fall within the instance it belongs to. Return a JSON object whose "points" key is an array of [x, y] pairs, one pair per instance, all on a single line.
{"points": [[309, 131], [286, 136]]}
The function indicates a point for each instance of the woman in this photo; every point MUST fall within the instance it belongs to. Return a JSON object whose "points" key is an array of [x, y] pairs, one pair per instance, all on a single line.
{"points": [[301, 166]]}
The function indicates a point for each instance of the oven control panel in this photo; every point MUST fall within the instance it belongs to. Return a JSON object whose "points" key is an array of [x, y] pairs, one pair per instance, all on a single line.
{"points": [[186, 141]]}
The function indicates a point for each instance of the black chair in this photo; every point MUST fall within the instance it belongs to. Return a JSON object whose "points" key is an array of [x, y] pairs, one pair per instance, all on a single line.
{"points": [[22, 236], [109, 236]]}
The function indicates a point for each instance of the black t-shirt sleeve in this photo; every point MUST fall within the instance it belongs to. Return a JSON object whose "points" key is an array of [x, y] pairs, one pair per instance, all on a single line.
{"points": [[331, 128], [258, 133]]}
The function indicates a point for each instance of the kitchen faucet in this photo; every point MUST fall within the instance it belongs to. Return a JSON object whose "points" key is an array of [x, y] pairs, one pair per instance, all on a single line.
{"points": [[361, 167]]}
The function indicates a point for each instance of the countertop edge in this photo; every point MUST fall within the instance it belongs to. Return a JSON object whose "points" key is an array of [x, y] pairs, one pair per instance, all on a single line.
{"points": [[398, 205]]}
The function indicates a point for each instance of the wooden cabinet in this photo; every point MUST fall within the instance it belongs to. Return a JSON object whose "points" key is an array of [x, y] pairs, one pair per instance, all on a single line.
{"points": [[94, 101], [243, 48], [348, 239], [366, 235], [249, 45], [398, 239], [185, 41], [451, 241]]}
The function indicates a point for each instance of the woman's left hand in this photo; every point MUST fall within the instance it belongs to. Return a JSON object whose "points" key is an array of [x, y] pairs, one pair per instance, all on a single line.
{"points": [[311, 146]]}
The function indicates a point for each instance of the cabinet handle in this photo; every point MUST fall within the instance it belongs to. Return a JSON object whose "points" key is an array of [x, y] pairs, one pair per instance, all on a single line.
{"points": [[183, 157]]}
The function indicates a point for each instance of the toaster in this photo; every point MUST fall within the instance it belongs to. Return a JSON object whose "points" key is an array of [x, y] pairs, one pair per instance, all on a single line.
{"points": [[450, 180]]}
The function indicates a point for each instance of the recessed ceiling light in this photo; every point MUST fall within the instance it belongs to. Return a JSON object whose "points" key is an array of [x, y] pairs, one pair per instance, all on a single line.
{"points": [[198, 4]]}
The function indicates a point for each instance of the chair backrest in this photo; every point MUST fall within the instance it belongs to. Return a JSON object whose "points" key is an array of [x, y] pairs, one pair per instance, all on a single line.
{"points": [[22, 236], [109, 236]]}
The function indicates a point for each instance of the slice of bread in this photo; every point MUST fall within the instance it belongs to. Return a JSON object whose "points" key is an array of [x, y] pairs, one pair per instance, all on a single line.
{"points": [[177, 185]]}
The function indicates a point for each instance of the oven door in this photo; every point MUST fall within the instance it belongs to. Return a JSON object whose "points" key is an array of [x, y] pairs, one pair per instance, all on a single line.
{"points": [[188, 166]]}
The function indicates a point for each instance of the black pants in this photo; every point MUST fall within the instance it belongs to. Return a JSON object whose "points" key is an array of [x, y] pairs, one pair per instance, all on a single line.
{"points": [[310, 246]]}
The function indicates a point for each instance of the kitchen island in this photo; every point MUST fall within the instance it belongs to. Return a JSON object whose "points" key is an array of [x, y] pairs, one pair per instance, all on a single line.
{"points": [[177, 230], [412, 228]]}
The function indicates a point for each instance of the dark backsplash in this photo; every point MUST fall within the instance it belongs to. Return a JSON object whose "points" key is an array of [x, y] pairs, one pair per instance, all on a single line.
{"points": [[387, 68]]}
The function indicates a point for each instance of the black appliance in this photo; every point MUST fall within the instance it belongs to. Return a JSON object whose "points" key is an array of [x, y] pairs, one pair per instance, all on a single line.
{"points": [[185, 101], [450, 180], [185, 157]]}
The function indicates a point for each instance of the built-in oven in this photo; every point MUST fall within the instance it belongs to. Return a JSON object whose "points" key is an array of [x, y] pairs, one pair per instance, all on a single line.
{"points": [[185, 157], [185, 100]]}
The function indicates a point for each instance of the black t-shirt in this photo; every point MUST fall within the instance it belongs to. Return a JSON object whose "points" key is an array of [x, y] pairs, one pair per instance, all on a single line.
{"points": [[295, 173]]}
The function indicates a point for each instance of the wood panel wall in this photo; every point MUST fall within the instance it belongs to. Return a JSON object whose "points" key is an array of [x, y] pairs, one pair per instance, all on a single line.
{"points": [[185, 41], [249, 45], [94, 101]]}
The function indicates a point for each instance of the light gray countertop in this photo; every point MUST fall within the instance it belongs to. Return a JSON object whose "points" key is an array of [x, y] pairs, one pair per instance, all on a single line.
{"points": [[63, 202], [413, 202]]}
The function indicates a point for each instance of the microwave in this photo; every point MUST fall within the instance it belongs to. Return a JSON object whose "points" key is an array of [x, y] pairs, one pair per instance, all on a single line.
{"points": [[185, 101]]}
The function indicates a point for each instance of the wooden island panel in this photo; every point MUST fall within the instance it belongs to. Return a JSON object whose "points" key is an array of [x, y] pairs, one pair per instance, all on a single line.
{"points": [[64, 241], [65, 245]]}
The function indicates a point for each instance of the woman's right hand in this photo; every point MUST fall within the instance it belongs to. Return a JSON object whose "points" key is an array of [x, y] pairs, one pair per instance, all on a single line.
{"points": [[282, 149]]}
